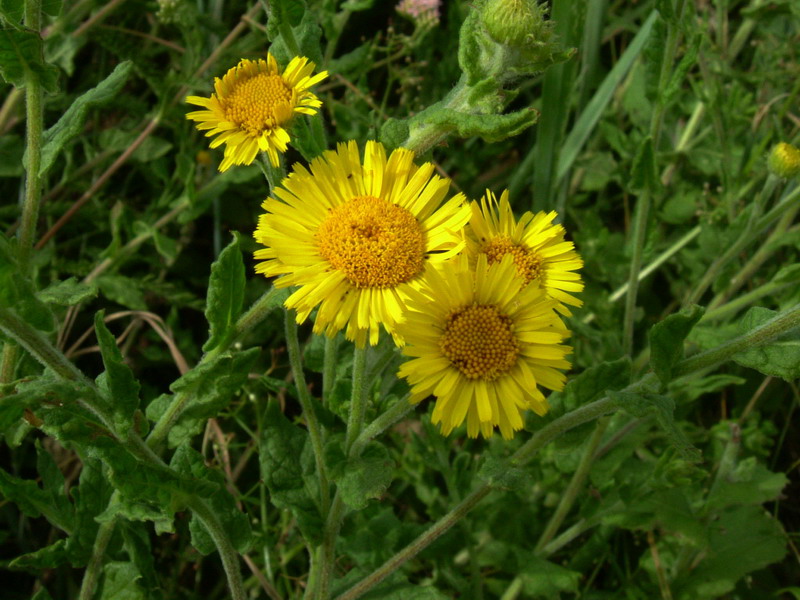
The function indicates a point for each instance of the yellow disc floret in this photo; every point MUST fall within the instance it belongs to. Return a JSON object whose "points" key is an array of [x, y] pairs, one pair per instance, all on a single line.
{"points": [[479, 341], [373, 242], [529, 264], [251, 104]]}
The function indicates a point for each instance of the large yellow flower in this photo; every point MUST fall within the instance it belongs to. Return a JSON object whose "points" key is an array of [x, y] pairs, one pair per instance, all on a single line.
{"points": [[538, 247], [356, 237], [482, 341], [252, 103]]}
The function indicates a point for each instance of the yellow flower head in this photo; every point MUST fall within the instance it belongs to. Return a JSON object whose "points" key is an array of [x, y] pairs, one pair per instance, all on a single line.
{"points": [[355, 236], [482, 341], [251, 105], [540, 252]]}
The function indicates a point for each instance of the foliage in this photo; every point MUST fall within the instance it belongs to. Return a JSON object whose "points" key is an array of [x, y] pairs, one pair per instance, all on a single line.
{"points": [[152, 417]]}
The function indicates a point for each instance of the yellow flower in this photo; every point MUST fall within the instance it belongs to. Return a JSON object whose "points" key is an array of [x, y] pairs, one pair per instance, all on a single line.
{"points": [[784, 160], [251, 105], [538, 247], [355, 237], [481, 341]]}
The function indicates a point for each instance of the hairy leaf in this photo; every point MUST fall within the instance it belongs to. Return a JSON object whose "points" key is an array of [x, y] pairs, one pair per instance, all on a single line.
{"points": [[666, 340], [117, 382], [225, 295]]}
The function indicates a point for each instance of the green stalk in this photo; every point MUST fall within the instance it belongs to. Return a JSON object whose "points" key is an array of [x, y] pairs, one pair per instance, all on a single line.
{"points": [[639, 233], [769, 331], [95, 564], [744, 300], [33, 145], [575, 485], [396, 412], [358, 399], [751, 232], [314, 429], [329, 367]]}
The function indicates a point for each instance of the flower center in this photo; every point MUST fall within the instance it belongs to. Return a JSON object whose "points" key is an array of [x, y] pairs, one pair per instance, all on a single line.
{"points": [[375, 243], [479, 341], [251, 104], [529, 264]]}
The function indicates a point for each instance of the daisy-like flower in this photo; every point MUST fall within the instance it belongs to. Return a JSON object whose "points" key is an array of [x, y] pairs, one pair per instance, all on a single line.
{"points": [[540, 252], [482, 341], [252, 104], [355, 237]]}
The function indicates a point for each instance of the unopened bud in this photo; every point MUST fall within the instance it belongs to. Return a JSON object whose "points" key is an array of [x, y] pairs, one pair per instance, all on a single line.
{"points": [[784, 160], [516, 22]]}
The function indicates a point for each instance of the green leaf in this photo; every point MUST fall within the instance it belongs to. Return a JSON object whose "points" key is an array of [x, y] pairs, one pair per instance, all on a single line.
{"points": [[72, 121], [136, 538], [678, 78], [91, 497], [210, 386], [366, 476], [49, 557], [667, 338], [225, 294], [749, 483], [120, 582], [67, 293], [498, 473], [236, 524], [740, 541], [122, 290], [287, 468], [595, 381], [52, 7], [643, 405], [544, 579], [780, 358], [12, 12], [644, 172], [18, 292], [117, 382], [21, 53]]}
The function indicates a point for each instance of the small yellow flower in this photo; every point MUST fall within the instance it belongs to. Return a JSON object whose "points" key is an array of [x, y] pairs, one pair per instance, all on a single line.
{"points": [[355, 237], [784, 160], [481, 342], [540, 252], [251, 105]]}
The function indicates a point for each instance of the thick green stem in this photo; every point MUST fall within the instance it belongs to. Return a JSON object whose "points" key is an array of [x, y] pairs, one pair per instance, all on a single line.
{"points": [[639, 234], [33, 145], [396, 412], [95, 565], [8, 362], [769, 331], [358, 399], [303, 395], [329, 367], [574, 487]]}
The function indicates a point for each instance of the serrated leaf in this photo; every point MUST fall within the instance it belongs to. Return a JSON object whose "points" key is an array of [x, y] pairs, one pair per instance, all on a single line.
{"points": [[741, 540], [48, 557], [21, 53], [288, 476], [236, 524], [366, 477], [780, 358], [120, 582], [643, 405], [594, 381], [117, 382], [211, 386], [225, 294], [67, 293], [749, 483], [72, 121], [667, 338], [498, 473]]}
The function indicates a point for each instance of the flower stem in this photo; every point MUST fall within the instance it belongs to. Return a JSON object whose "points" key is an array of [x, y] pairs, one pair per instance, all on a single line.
{"points": [[33, 145], [396, 412], [575, 485], [95, 564], [329, 367], [358, 401], [314, 429], [769, 331]]}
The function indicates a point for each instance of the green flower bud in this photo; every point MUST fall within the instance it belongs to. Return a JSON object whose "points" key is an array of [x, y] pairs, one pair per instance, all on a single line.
{"points": [[518, 23], [784, 160]]}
